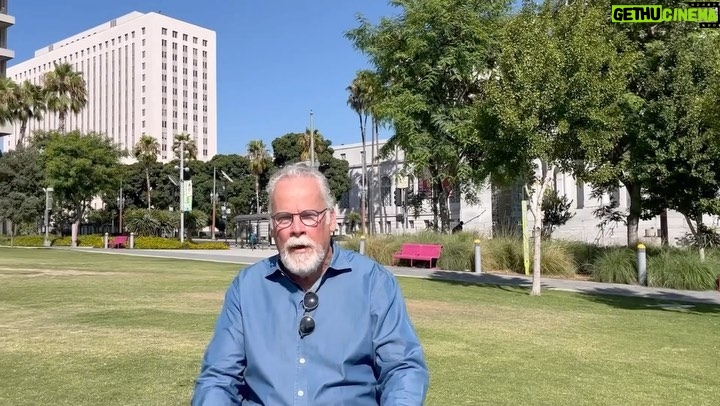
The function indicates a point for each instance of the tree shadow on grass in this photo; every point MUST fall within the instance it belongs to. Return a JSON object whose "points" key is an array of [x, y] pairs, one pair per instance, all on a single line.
{"points": [[662, 300], [630, 297]]}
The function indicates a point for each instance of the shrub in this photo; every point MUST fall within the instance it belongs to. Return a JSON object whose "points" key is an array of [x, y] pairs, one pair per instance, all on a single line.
{"points": [[24, 240], [682, 269], [159, 243], [615, 265]]}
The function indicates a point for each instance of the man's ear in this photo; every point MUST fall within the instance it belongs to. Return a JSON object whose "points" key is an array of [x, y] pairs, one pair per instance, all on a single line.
{"points": [[333, 220]]}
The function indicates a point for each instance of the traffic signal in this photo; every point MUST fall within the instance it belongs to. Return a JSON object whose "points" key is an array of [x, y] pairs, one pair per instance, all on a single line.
{"points": [[398, 197]]}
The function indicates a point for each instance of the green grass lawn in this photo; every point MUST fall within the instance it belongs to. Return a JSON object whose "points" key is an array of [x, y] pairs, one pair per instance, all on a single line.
{"points": [[89, 329]]}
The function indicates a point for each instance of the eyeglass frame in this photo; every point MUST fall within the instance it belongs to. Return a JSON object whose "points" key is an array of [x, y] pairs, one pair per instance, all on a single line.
{"points": [[320, 215], [307, 319]]}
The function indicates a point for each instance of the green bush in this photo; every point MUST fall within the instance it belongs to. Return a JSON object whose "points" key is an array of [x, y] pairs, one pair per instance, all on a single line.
{"points": [[159, 243], [615, 265], [24, 240], [682, 269]]}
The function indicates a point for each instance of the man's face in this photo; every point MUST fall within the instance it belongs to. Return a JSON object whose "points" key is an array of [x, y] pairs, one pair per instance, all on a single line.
{"points": [[304, 242]]}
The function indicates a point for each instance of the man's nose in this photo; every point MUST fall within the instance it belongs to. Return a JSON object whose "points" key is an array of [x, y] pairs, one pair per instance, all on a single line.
{"points": [[297, 227]]}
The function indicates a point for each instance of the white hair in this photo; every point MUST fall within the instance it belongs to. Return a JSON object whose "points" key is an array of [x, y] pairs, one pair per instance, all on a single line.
{"points": [[300, 170]]}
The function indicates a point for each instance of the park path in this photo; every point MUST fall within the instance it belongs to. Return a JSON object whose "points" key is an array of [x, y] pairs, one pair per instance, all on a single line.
{"points": [[248, 256]]}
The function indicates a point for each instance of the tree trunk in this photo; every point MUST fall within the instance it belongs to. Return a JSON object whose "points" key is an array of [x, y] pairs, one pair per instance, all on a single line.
{"points": [[699, 238], [13, 233], [75, 231], [76, 224], [363, 192], [633, 218], [21, 138], [61, 122], [539, 187], [257, 193], [147, 177], [373, 205]]}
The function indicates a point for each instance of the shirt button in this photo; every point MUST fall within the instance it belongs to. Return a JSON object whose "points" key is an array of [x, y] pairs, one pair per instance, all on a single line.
{"points": [[302, 360], [300, 393]]}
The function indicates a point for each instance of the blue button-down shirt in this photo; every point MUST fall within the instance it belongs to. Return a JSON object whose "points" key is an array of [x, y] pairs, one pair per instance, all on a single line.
{"points": [[363, 351]]}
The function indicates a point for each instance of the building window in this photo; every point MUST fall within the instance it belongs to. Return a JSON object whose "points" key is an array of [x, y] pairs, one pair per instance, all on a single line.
{"points": [[164, 31], [385, 191]]}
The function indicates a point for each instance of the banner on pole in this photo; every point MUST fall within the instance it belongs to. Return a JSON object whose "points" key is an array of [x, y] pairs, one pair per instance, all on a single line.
{"points": [[187, 195]]}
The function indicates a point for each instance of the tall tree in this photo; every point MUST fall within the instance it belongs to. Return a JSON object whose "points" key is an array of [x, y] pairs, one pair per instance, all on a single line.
{"points": [[553, 98], [21, 186], [31, 104], [432, 60], [287, 150], [146, 151], [305, 144], [259, 163], [681, 168], [79, 167], [191, 149], [357, 100], [66, 92]]}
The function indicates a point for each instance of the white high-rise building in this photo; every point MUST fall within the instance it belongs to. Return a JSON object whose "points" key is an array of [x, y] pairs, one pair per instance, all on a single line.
{"points": [[145, 74]]}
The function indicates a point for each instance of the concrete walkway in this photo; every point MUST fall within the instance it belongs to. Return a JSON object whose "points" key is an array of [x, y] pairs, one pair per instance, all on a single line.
{"points": [[247, 256]]}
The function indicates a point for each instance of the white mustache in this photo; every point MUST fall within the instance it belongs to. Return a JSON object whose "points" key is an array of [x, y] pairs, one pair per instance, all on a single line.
{"points": [[299, 242]]}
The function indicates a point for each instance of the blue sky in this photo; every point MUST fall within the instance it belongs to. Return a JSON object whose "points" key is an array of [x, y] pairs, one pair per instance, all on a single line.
{"points": [[277, 59]]}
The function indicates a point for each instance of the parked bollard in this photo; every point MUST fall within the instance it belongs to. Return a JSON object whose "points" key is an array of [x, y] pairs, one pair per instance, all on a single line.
{"points": [[478, 256], [362, 245], [641, 265], [105, 240], [132, 240]]}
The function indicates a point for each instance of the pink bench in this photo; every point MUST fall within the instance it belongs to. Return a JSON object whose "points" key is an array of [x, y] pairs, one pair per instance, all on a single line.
{"points": [[119, 241], [418, 252]]}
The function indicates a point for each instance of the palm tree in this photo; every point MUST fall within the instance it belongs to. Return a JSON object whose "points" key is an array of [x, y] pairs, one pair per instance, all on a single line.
{"points": [[66, 92], [363, 98], [305, 144], [190, 146], [31, 105], [8, 100], [146, 151], [259, 160]]}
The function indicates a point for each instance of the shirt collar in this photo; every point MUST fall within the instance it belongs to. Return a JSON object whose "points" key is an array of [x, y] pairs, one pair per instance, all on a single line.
{"points": [[338, 264]]}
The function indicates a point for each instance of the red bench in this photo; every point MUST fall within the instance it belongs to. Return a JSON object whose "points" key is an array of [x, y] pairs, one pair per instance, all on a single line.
{"points": [[119, 241], [418, 252]]}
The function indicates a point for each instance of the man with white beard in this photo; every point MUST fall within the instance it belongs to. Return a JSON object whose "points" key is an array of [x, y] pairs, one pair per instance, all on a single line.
{"points": [[314, 325]]}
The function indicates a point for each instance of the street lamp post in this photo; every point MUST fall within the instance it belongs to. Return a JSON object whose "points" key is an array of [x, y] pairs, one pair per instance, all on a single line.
{"points": [[214, 199], [47, 190], [182, 191], [121, 204], [312, 142]]}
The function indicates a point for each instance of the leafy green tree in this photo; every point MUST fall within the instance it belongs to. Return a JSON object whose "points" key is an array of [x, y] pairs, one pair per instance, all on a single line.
{"points": [[655, 121], [287, 150], [79, 167], [431, 61], [556, 212], [553, 99], [22, 199]]}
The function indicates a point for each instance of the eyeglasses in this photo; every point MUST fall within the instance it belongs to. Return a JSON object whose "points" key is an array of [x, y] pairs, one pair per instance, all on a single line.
{"points": [[307, 323], [310, 218]]}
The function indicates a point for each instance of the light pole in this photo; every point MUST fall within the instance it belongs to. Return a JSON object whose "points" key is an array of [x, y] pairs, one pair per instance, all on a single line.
{"points": [[47, 190], [182, 190], [121, 204], [214, 199], [312, 142]]}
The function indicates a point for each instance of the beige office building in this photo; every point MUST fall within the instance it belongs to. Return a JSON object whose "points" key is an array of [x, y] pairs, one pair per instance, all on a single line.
{"points": [[145, 74]]}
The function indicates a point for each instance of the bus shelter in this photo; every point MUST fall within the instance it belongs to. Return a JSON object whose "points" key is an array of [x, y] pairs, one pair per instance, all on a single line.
{"points": [[252, 229]]}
